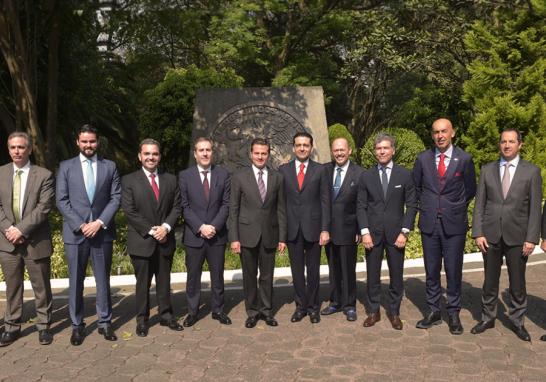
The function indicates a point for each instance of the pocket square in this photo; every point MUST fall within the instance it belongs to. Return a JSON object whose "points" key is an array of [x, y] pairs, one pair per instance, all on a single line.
{"points": [[398, 186], [458, 174], [352, 184]]}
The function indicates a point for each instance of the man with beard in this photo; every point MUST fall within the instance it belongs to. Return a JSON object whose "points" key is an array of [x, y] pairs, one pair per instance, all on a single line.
{"points": [[88, 195]]}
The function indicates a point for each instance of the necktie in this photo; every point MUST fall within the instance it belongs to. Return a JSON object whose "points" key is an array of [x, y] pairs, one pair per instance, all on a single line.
{"points": [[337, 182], [90, 177], [442, 165], [301, 176], [261, 185], [384, 180], [206, 187], [506, 180], [154, 186], [16, 197]]}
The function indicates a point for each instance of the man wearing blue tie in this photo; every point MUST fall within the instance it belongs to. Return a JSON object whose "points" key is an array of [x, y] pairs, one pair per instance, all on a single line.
{"points": [[88, 195]]}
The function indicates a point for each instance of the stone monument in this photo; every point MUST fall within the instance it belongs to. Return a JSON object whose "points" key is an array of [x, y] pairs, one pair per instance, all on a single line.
{"points": [[233, 117]]}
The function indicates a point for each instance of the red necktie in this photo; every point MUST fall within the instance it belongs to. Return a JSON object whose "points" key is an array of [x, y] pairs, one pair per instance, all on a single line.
{"points": [[154, 187], [301, 175], [442, 165], [206, 187]]}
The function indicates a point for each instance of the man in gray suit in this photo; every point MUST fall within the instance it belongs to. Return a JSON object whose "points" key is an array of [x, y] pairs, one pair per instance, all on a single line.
{"points": [[257, 227], [26, 197], [506, 223], [88, 195]]}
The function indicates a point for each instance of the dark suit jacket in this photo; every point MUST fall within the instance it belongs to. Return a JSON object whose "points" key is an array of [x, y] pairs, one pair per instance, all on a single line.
{"points": [[74, 205], [197, 211], [307, 209], [448, 198], [515, 219], [37, 203], [143, 212], [386, 216], [344, 224], [249, 218]]}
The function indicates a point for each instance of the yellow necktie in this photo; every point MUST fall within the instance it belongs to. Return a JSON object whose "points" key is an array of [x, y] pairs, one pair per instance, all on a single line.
{"points": [[17, 196]]}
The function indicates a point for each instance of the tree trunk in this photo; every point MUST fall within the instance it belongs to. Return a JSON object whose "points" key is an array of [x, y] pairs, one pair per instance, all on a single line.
{"points": [[53, 84]]}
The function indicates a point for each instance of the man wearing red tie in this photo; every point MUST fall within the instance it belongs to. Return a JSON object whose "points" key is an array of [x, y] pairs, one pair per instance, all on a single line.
{"points": [[445, 183], [151, 201], [307, 193]]}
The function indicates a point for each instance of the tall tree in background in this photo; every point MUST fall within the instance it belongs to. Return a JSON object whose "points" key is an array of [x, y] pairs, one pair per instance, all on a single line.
{"points": [[507, 88]]}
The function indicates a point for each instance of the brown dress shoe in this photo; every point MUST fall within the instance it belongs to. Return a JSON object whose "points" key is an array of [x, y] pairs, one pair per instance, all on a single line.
{"points": [[372, 319], [395, 322]]}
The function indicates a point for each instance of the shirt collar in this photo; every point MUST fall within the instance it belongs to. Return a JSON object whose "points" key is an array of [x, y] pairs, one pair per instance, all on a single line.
{"points": [[25, 168], [201, 169], [448, 153], [344, 167], [256, 169], [514, 162], [388, 166], [306, 163], [83, 158], [148, 173]]}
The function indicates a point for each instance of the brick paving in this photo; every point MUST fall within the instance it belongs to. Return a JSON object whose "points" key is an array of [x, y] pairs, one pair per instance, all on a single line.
{"points": [[335, 349]]}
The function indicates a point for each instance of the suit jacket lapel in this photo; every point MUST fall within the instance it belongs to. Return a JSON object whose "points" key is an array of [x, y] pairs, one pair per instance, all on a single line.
{"points": [[293, 177], [347, 179], [392, 181], [311, 168], [496, 176], [101, 176], [9, 190], [199, 183], [79, 173], [254, 184], [147, 188], [453, 164], [31, 180], [517, 175]]}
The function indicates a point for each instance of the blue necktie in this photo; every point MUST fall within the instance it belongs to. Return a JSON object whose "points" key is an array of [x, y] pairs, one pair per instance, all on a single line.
{"points": [[90, 178], [337, 182]]}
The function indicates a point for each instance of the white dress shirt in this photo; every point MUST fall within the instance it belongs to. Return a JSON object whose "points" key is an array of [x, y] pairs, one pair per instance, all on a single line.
{"points": [[448, 154], [511, 169], [264, 175], [148, 173]]}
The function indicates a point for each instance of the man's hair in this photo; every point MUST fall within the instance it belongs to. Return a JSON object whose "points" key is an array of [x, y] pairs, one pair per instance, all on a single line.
{"points": [[20, 134], [88, 128], [202, 139], [382, 136], [303, 134], [148, 141], [261, 142], [509, 129]]}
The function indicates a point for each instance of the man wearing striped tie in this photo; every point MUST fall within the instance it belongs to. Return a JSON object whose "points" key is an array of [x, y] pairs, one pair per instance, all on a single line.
{"points": [[26, 197], [257, 228]]}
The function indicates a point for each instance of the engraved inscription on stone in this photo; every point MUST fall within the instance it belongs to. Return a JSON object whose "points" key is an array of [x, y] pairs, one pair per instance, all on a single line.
{"points": [[236, 128]]}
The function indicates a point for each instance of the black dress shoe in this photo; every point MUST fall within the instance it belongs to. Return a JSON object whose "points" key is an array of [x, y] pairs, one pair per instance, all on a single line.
{"points": [[172, 324], [222, 317], [45, 337], [482, 326], [78, 334], [270, 321], [351, 315], [251, 322], [330, 309], [522, 333], [455, 326], [8, 338], [142, 330], [434, 318], [298, 316], [314, 317], [190, 320], [108, 333]]}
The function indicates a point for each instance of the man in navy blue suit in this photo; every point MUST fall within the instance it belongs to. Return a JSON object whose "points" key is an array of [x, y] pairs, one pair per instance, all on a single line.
{"points": [[88, 195], [445, 182], [205, 192]]}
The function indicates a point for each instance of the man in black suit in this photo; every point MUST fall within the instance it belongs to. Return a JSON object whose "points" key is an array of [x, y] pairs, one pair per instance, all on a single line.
{"points": [[257, 227], [445, 183], [386, 214], [307, 193], [151, 202], [506, 223], [205, 190], [344, 176]]}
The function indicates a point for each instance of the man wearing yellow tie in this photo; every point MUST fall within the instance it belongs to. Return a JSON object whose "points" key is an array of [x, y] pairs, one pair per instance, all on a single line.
{"points": [[26, 197]]}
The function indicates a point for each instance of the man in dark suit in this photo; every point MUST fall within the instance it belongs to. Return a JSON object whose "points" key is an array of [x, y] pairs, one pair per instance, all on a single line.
{"points": [[257, 228], [344, 176], [386, 214], [26, 198], [88, 195], [205, 190], [151, 202], [445, 182], [307, 193], [506, 223]]}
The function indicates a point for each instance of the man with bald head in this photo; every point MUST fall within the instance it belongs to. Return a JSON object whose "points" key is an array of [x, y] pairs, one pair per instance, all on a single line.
{"points": [[445, 183]]}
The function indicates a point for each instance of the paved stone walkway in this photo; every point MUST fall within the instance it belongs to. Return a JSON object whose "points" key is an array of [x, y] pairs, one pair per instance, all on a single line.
{"points": [[335, 349]]}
